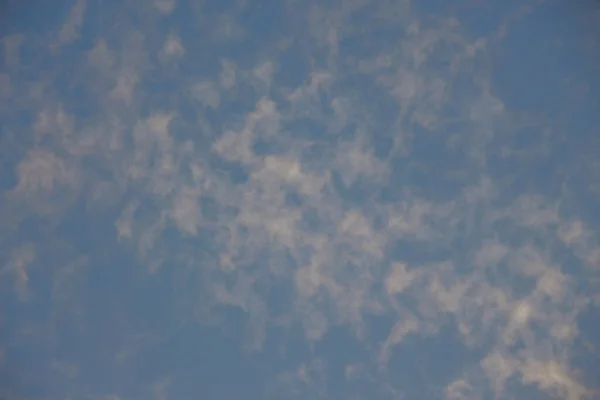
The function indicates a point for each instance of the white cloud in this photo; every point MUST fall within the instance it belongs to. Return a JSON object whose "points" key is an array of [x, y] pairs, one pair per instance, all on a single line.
{"points": [[172, 48], [165, 6], [406, 325], [186, 211], [228, 75], [100, 56], [459, 390], [498, 369], [70, 29], [207, 94], [42, 172], [264, 74], [399, 279], [552, 377], [20, 261]]}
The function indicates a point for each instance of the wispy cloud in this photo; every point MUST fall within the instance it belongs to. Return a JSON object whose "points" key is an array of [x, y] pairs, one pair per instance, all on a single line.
{"points": [[69, 31], [363, 184]]}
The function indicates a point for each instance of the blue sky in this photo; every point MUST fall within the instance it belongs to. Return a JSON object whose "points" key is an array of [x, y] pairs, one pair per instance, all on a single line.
{"points": [[299, 200]]}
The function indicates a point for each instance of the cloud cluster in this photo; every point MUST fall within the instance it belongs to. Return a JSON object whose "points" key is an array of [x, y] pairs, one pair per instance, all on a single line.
{"points": [[351, 174]]}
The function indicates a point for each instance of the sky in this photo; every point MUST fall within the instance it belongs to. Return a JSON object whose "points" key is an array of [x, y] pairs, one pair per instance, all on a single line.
{"points": [[285, 199]]}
